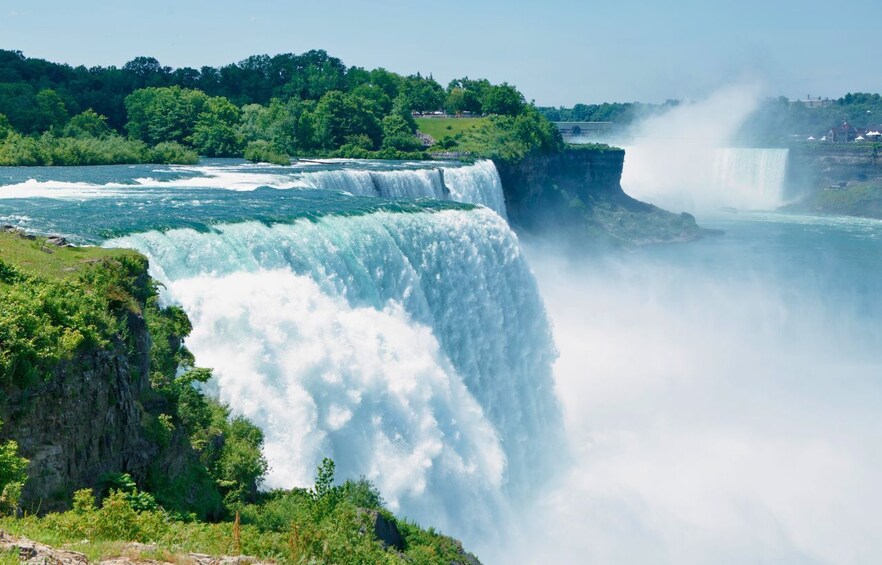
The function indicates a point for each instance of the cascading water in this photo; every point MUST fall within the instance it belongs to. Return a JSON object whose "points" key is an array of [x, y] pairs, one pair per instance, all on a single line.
{"points": [[412, 348], [686, 158], [476, 183], [706, 178], [356, 311], [752, 177]]}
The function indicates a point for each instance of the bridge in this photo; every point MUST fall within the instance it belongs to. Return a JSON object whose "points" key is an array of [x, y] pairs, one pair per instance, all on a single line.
{"points": [[579, 129]]}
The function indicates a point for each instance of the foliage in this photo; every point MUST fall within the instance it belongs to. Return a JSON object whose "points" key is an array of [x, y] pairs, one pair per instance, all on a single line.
{"points": [[87, 124], [12, 475], [421, 94], [616, 112], [158, 114], [398, 134], [261, 151], [122, 484], [44, 321], [216, 133], [502, 99], [5, 126], [343, 118], [509, 138], [170, 152], [324, 524], [308, 104], [81, 149]]}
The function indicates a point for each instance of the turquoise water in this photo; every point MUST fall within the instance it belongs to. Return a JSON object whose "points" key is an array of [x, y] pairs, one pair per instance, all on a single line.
{"points": [[709, 402], [379, 314], [89, 220]]}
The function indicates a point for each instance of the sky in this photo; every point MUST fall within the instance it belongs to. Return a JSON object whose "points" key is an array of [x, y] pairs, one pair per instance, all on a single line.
{"points": [[557, 52]]}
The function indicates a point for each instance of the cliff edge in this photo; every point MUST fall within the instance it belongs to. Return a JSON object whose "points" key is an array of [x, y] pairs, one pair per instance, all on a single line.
{"points": [[577, 195]]}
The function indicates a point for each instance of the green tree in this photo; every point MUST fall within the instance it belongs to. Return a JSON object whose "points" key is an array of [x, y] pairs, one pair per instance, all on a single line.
{"points": [[158, 114], [398, 134], [341, 117], [472, 94], [289, 127], [5, 126], [460, 100], [50, 111], [216, 133], [87, 124], [422, 94], [503, 99]]}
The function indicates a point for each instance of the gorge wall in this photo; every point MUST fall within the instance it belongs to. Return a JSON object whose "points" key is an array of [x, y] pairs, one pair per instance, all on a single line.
{"points": [[814, 167], [84, 422], [577, 195], [838, 179], [94, 413]]}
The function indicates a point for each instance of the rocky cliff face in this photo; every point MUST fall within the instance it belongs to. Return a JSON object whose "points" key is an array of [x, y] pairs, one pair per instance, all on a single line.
{"points": [[577, 195], [87, 417], [811, 168], [84, 422]]}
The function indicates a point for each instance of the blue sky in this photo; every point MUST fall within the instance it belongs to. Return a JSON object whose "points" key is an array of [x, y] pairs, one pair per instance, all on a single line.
{"points": [[555, 51]]}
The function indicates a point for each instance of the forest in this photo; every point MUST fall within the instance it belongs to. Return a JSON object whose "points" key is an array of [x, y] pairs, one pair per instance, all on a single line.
{"points": [[265, 108]]}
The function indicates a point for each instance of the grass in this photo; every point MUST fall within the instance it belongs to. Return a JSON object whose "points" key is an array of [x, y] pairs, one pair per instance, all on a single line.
{"points": [[9, 557], [439, 127], [859, 199], [175, 540], [37, 257]]}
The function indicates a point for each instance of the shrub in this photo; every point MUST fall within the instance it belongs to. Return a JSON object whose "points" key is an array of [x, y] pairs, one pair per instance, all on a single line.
{"points": [[261, 151]]}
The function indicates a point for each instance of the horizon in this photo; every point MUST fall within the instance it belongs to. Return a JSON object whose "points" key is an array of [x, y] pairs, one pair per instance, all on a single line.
{"points": [[649, 53]]}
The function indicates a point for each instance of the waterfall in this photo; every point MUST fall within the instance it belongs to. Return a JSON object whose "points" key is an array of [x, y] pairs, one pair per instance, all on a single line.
{"points": [[476, 183], [698, 178], [751, 177], [413, 348]]}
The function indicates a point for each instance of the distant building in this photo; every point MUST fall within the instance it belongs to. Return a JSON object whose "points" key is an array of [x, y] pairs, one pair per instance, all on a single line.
{"points": [[810, 102], [846, 132], [842, 133]]}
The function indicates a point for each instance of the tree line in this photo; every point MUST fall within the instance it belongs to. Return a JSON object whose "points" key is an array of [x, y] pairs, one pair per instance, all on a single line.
{"points": [[262, 107], [775, 119]]}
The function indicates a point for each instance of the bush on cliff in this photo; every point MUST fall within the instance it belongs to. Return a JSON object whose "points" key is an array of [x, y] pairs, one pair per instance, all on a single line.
{"points": [[58, 303], [12, 475], [508, 138], [327, 523]]}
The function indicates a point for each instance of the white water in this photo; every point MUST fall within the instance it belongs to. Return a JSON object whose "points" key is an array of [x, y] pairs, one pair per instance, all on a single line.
{"points": [[721, 399], [411, 348], [475, 184], [705, 178], [683, 159]]}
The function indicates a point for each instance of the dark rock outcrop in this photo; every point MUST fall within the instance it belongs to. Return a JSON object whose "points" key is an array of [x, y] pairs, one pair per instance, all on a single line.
{"points": [[84, 422], [576, 195], [384, 529], [90, 417]]}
